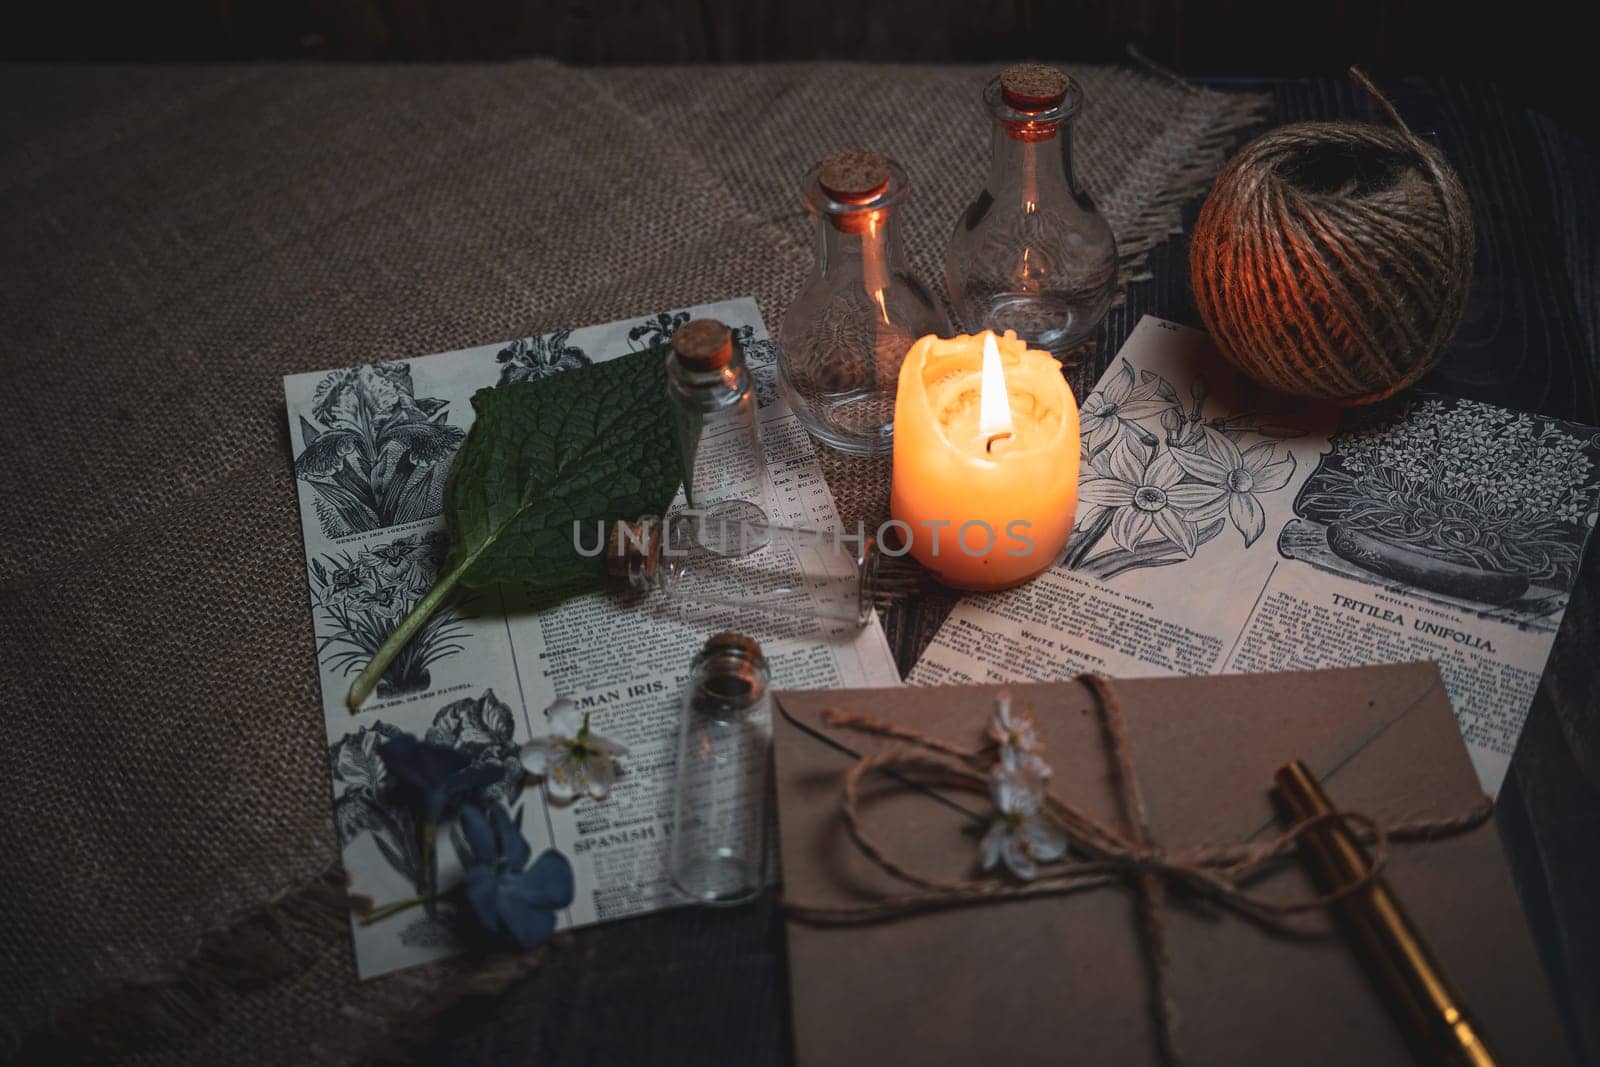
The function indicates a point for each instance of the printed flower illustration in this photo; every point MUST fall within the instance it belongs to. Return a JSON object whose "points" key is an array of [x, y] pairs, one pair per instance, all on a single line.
{"points": [[1022, 836], [361, 599], [512, 901], [366, 804], [1495, 491], [384, 601], [533, 358], [572, 759], [373, 451], [1017, 734], [1116, 407], [483, 728], [343, 584], [1146, 495], [1141, 505], [657, 329], [1236, 478], [405, 562]]}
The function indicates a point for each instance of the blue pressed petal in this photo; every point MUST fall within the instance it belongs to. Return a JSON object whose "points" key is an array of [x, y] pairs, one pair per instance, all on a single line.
{"points": [[466, 780], [439, 762], [480, 839], [525, 923], [420, 763], [398, 755], [548, 882], [514, 850], [483, 896]]}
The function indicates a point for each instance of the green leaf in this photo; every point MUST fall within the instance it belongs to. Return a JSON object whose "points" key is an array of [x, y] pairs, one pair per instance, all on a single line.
{"points": [[593, 443]]}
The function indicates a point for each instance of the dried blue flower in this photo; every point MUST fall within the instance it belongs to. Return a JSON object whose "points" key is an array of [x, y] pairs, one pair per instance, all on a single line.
{"points": [[439, 776], [510, 902]]}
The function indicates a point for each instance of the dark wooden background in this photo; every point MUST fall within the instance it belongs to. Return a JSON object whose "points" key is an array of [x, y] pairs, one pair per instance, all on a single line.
{"points": [[696, 986], [1533, 49]]}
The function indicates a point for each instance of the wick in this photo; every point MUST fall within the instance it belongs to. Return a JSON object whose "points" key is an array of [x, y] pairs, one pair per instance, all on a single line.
{"points": [[988, 446]]}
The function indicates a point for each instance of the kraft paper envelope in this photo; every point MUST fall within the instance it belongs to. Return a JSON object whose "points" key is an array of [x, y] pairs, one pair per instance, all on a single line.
{"points": [[1063, 979]]}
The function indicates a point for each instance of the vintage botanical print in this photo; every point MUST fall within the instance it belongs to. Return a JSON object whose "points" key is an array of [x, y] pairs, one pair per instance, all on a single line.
{"points": [[376, 454]]}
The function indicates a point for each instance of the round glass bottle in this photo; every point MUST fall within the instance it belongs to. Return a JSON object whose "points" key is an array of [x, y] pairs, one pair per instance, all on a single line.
{"points": [[1031, 253], [847, 332]]}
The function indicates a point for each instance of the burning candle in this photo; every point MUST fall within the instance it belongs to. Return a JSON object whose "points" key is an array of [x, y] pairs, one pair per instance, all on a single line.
{"points": [[985, 459]]}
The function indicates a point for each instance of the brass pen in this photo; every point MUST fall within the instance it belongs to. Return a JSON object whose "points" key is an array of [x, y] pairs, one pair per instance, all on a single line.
{"points": [[1409, 979]]}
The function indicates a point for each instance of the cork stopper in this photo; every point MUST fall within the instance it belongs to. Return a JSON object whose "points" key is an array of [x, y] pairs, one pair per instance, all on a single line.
{"points": [[703, 344], [1033, 86], [728, 640], [854, 175]]}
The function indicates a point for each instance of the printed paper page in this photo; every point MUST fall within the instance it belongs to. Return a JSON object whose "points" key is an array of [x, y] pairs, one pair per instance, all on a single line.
{"points": [[1224, 528], [481, 675]]}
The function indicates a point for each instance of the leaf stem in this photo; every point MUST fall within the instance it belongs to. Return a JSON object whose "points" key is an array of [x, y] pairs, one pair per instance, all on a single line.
{"points": [[401, 636]]}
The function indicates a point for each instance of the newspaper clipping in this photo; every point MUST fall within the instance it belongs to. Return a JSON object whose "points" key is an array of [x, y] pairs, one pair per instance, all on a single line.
{"points": [[1222, 528], [480, 675]]}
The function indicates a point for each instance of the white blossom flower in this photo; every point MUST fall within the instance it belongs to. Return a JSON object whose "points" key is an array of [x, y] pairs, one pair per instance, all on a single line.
{"points": [[1021, 836], [1017, 734], [572, 759]]}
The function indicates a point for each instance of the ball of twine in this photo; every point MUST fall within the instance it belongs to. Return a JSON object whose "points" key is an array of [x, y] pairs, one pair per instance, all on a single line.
{"points": [[1332, 259]]}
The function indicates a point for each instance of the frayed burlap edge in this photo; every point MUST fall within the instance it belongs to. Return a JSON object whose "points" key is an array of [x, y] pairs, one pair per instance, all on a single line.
{"points": [[382, 1021]]}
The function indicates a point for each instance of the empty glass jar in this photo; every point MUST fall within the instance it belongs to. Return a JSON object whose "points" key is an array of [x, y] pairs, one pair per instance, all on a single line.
{"points": [[846, 334], [1031, 253], [721, 805]]}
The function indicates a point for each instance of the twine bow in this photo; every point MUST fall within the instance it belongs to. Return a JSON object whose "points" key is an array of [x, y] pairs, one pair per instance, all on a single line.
{"points": [[1217, 873]]}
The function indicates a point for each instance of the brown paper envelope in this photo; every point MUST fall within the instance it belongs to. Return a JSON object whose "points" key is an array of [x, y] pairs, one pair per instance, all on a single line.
{"points": [[1063, 979]]}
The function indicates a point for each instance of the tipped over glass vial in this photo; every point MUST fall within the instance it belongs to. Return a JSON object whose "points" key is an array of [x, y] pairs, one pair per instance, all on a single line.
{"points": [[705, 559], [847, 332], [1031, 253], [721, 802]]}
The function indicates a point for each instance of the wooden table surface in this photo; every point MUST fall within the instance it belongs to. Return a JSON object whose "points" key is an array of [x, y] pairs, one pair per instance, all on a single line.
{"points": [[696, 986]]}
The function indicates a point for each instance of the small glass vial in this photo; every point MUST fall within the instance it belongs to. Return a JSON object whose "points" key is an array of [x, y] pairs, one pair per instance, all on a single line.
{"points": [[708, 560], [847, 332], [714, 415], [1031, 253], [721, 805]]}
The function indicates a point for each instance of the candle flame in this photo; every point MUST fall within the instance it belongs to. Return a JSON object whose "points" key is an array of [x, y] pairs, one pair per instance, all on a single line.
{"points": [[882, 307], [994, 407]]}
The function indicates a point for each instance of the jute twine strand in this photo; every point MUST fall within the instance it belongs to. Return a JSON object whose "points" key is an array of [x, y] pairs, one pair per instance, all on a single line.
{"points": [[1333, 259], [1213, 872]]}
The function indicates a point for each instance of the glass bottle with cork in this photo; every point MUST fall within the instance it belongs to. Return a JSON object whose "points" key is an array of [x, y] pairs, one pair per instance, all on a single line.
{"points": [[847, 332], [1031, 253], [721, 804], [714, 415]]}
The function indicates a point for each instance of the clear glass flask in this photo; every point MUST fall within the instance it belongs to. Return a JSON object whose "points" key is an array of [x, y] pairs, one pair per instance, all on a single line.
{"points": [[714, 413], [706, 559], [847, 332], [1031, 253], [721, 804]]}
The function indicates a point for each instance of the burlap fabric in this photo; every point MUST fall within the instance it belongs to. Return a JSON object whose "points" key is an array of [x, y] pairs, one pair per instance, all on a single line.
{"points": [[178, 239]]}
